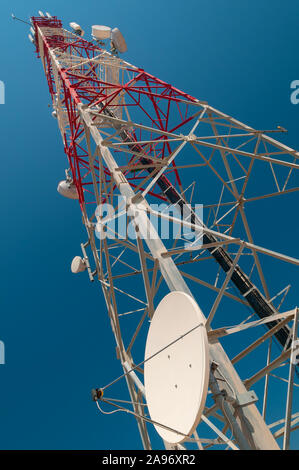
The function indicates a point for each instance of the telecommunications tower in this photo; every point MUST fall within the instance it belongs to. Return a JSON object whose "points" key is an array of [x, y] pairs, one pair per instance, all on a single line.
{"points": [[200, 338]]}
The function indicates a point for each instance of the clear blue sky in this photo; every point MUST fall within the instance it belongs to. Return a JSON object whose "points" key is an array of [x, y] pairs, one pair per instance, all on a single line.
{"points": [[241, 58]]}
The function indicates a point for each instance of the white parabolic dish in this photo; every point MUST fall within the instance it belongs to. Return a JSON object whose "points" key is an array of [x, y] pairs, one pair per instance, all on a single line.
{"points": [[101, 32], [176, 380]]}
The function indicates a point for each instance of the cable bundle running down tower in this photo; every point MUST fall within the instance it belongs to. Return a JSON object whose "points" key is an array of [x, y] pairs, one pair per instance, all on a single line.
{"points": [[132, 141]]}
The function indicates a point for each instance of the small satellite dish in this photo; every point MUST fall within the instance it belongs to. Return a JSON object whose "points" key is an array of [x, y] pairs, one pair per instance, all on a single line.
{"points": [[41, 14], [67, 189], [118, 40], [176, 379], [77, 29], [31, 39], [48, 15], [100, 32], [32, 30], [78, 265]]}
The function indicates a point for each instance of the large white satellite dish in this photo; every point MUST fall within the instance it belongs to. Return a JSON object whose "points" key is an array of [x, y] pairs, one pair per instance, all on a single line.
{"points": [[176, 379]]}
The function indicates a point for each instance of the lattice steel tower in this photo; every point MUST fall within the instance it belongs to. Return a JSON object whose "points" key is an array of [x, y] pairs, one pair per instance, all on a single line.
{"points": [[132, 141]]}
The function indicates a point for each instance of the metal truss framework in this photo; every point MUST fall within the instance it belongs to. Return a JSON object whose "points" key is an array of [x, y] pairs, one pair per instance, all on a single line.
{"points": [[127, 133]]}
